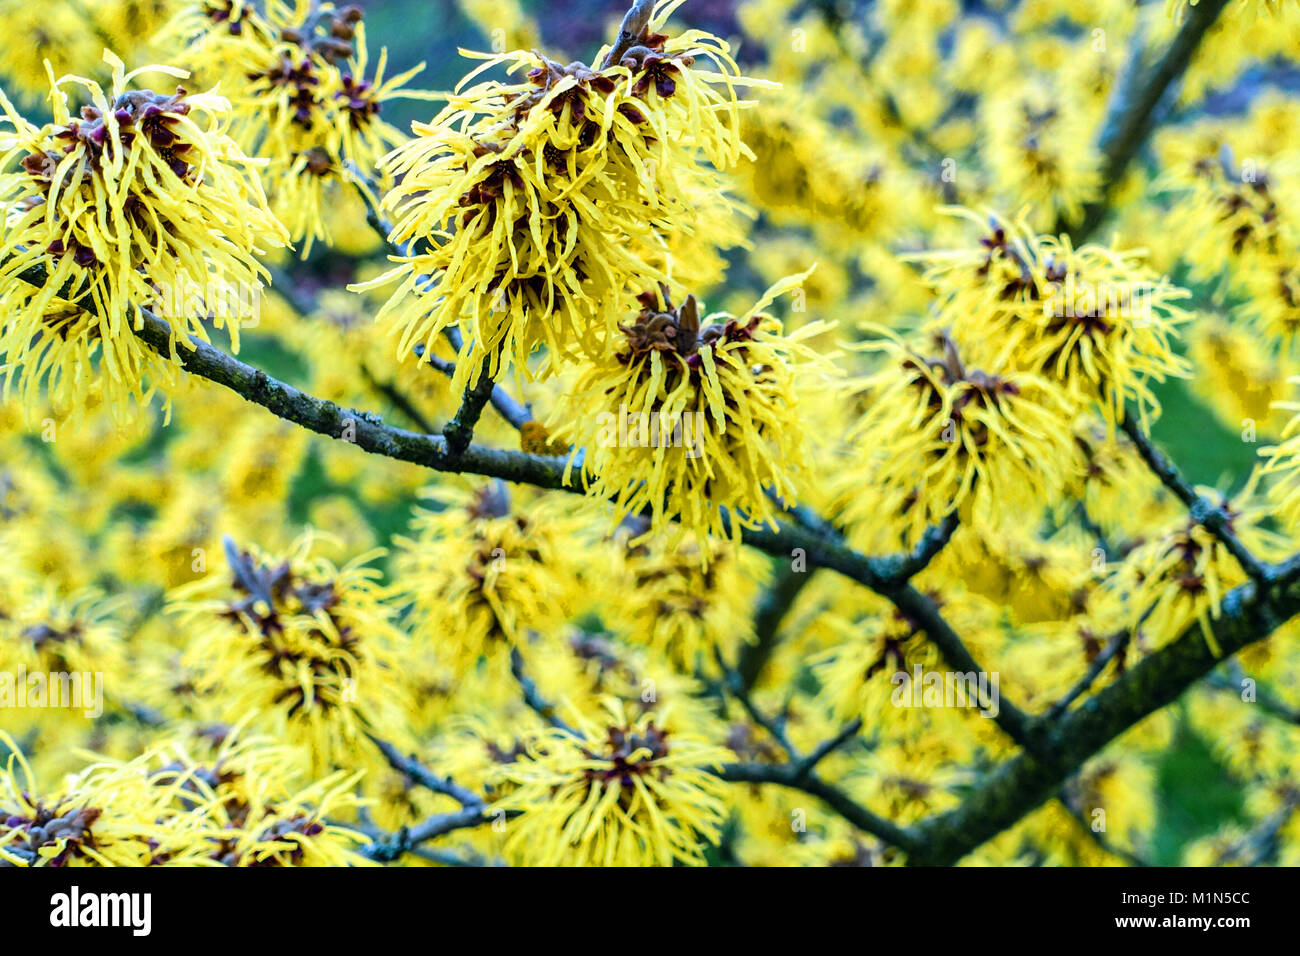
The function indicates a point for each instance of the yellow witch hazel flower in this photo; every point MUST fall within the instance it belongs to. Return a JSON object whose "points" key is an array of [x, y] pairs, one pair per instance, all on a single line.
{"points": [[622, 793], [56, 33], [948, 436], [217, 32], [253, 811], [109, 814], [296, 74], [695, 420], [531, 211], [310, 648], [54, 653], [1092, 319], [1238, 215], [138, 202], [309, 108], [483, 572], [1039, 147], [1241, 378], [682, 605], [1179, 578]]}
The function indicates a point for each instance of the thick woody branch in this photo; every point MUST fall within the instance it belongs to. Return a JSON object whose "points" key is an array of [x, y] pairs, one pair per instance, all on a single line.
{"points": [[1025, 782]]}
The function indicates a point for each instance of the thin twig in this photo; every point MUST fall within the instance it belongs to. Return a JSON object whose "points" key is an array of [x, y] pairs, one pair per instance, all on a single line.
{"points": [[1118, 642], [507, 406], [787, 583], [1214, 518], [533, 697], [633, 25], [398, 400], [459, 432], [1131, 115], [425, 777], [391, 847]]}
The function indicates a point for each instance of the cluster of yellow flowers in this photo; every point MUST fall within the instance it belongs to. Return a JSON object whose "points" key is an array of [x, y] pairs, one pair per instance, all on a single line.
{"points": [[205, 798], [305, 99], [135, 201], [916, 428], [533, 212]]}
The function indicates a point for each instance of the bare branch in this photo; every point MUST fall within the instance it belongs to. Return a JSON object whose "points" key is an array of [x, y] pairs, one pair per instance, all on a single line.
{"points": [[1117, 643], [425, 777], [1132, 113], [1214, 518], [533, 697]]}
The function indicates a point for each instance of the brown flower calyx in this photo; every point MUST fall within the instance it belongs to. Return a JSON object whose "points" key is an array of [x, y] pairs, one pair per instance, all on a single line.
{"points": [[359, 99], [46, 634], [1002, 249], [1247, 192], [46, 827], [987, 390], [598, 649], [328, 33], [318, 162], [135, 113], [546, 76], [492, 186], [300, 78], [225, 12], [490, 501], [655, 69], [271, 593], [550, 73], [676, 332], [645, 60], [630, 754]]}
